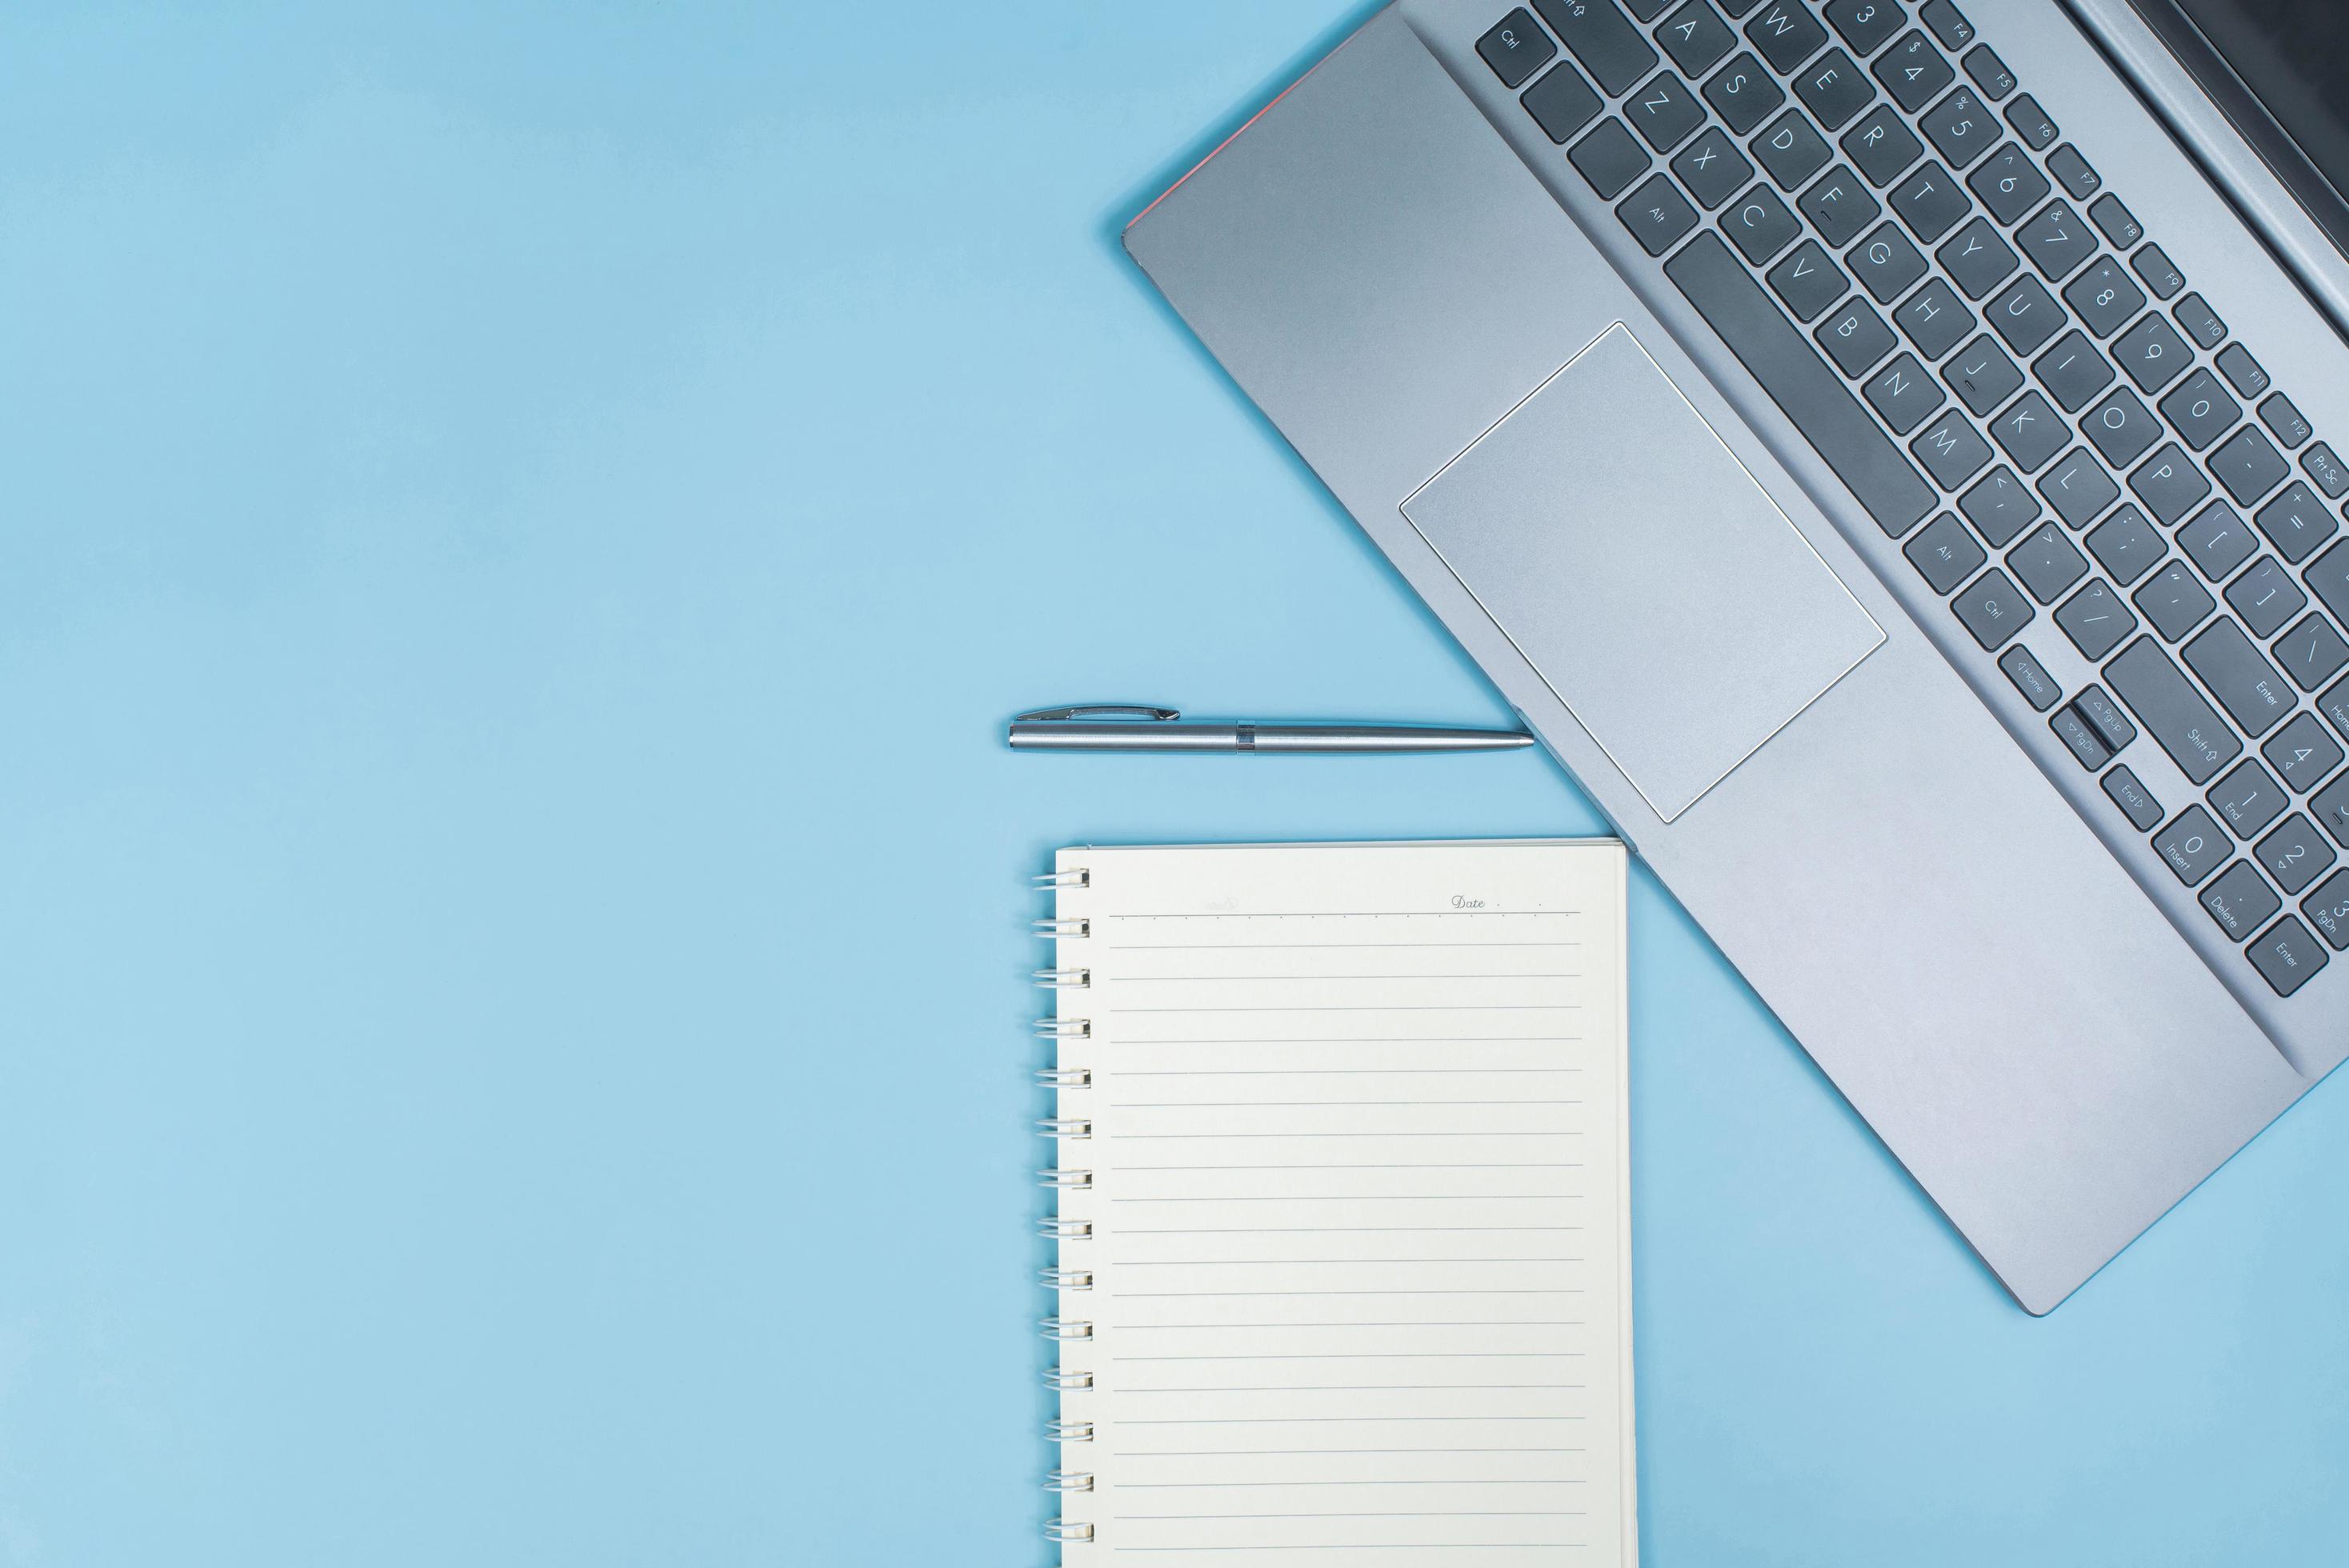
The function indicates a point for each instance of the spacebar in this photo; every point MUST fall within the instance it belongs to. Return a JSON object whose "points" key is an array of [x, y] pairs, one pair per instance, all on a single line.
{"points": [[1800, 382]]}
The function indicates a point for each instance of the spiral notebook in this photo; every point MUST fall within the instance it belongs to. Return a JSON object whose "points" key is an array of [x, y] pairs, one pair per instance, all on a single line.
{"points": [[1343, 1205]]}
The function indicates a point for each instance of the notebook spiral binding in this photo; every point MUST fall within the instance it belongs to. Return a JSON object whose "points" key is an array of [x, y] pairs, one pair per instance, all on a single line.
{"points": [[1071, 1223]]}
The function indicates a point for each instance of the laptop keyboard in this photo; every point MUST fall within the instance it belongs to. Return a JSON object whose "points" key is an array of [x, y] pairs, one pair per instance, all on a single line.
{"points": [[2055, 422]]}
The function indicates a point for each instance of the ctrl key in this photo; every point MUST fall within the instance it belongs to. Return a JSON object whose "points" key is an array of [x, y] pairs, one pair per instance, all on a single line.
{"points": [[2288, 956], [1993, 609]]}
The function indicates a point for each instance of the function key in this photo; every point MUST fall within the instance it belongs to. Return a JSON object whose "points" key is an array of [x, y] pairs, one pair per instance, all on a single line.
{"points": [[1947, 24], [1960, 127], [2326, 469], [2279, 416], [2242, 372], [2159, 272], [2030, 677], [2118, 223], [2287, 956], [2031, 123], [1912, 71], [1562, 103], [2136, 801], [2071, 173], [2199, 320], [1990, 73], [1603, 38], [1611, 158], [1786, 34], [1743, 94], [1515, 48], [1695, 36], [1865, 24]]}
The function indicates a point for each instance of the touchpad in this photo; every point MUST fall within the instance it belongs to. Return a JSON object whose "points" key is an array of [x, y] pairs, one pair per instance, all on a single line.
{"points": [[1647, 579]]}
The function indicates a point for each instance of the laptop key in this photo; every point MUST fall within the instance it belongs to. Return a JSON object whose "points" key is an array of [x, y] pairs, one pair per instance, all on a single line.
{"points": [[1515, 48], [1759, 224], [1988, 73], [2095, 620], [2071, 173], [1808, 281], [1994, 609], [2176, 715], [2057, 242], [1609, 158], [2121, 428], [2199, 320], [2296, 522], [2030, 431], [2168, 484], [1930, 201], [2304, 753], [2118, 224], [2009, 185], [2025, 314], [2249, 465], [1663, 111], [1772, 351], [2030, 677], [1834, 89], [2286, 957], [1976, 258], [2136, 801], [2255, 696], [1982, 376], [1743, 94], [2310, 653], [2104, 716], [2328, 910], [1948, 23], [2200, 409], [2331, 807], [2152, 354], [1999, 507], [2243, 373], [2160, 274], [1904, 393], [2072, 370], [2078, 488], [2031, 123], [1838, 206], [2126, 545], [1712, 170], [1695, 36], [1912, 71], [2047, 562], [2073, 732], [1864, 23], [2174, 601], [2240, 900], [1599, 35], [1951, 449], [2247, 799], [1856, 337], [2218, 540], [2193, 845], [2105, 296], [1786, 34], [2321, 465], [1562, 103], [2266, 597], [1961, 127], [1934, 318], [1882, 146], [1791, 148], [1657, 215], [2328, 579], [2279, 415], [1885, 262], [1945, 554]]}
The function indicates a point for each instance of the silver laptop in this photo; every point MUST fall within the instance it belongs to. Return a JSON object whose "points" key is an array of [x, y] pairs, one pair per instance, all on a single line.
{"points": [[1886, 452]]}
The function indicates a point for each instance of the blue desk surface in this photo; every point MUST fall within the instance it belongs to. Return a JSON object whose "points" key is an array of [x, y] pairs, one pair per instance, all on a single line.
{"points": [[522, 523]]}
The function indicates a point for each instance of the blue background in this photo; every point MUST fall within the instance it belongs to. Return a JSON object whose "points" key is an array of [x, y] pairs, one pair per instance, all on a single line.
{"points": [[522, 523]]}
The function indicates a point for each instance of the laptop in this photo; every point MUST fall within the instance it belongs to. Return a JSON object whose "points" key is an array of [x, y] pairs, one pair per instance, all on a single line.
{"points": [[1893, 457]]}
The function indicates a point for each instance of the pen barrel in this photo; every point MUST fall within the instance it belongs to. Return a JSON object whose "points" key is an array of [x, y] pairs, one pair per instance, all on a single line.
{"points": [[1290, 739], [1296, 738], [1064, 737]]}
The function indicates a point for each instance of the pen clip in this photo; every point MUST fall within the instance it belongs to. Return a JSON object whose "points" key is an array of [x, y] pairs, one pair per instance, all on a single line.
{"points": [[1130, 710]]}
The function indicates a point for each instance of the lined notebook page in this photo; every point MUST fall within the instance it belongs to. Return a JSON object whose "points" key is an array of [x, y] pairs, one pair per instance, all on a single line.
{"points": [[1360, 1252]]}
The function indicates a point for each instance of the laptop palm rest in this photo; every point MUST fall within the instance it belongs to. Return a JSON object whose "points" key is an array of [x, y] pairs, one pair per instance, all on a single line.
{"points": [[1644, 574]]}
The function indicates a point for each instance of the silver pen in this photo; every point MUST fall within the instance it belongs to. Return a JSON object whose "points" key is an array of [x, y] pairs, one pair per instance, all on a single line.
{"points": [[1126, 728]]}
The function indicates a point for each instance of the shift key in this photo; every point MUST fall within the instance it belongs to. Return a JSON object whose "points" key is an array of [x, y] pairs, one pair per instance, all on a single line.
{"points": [[2172, 711], [1609, 46]]}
